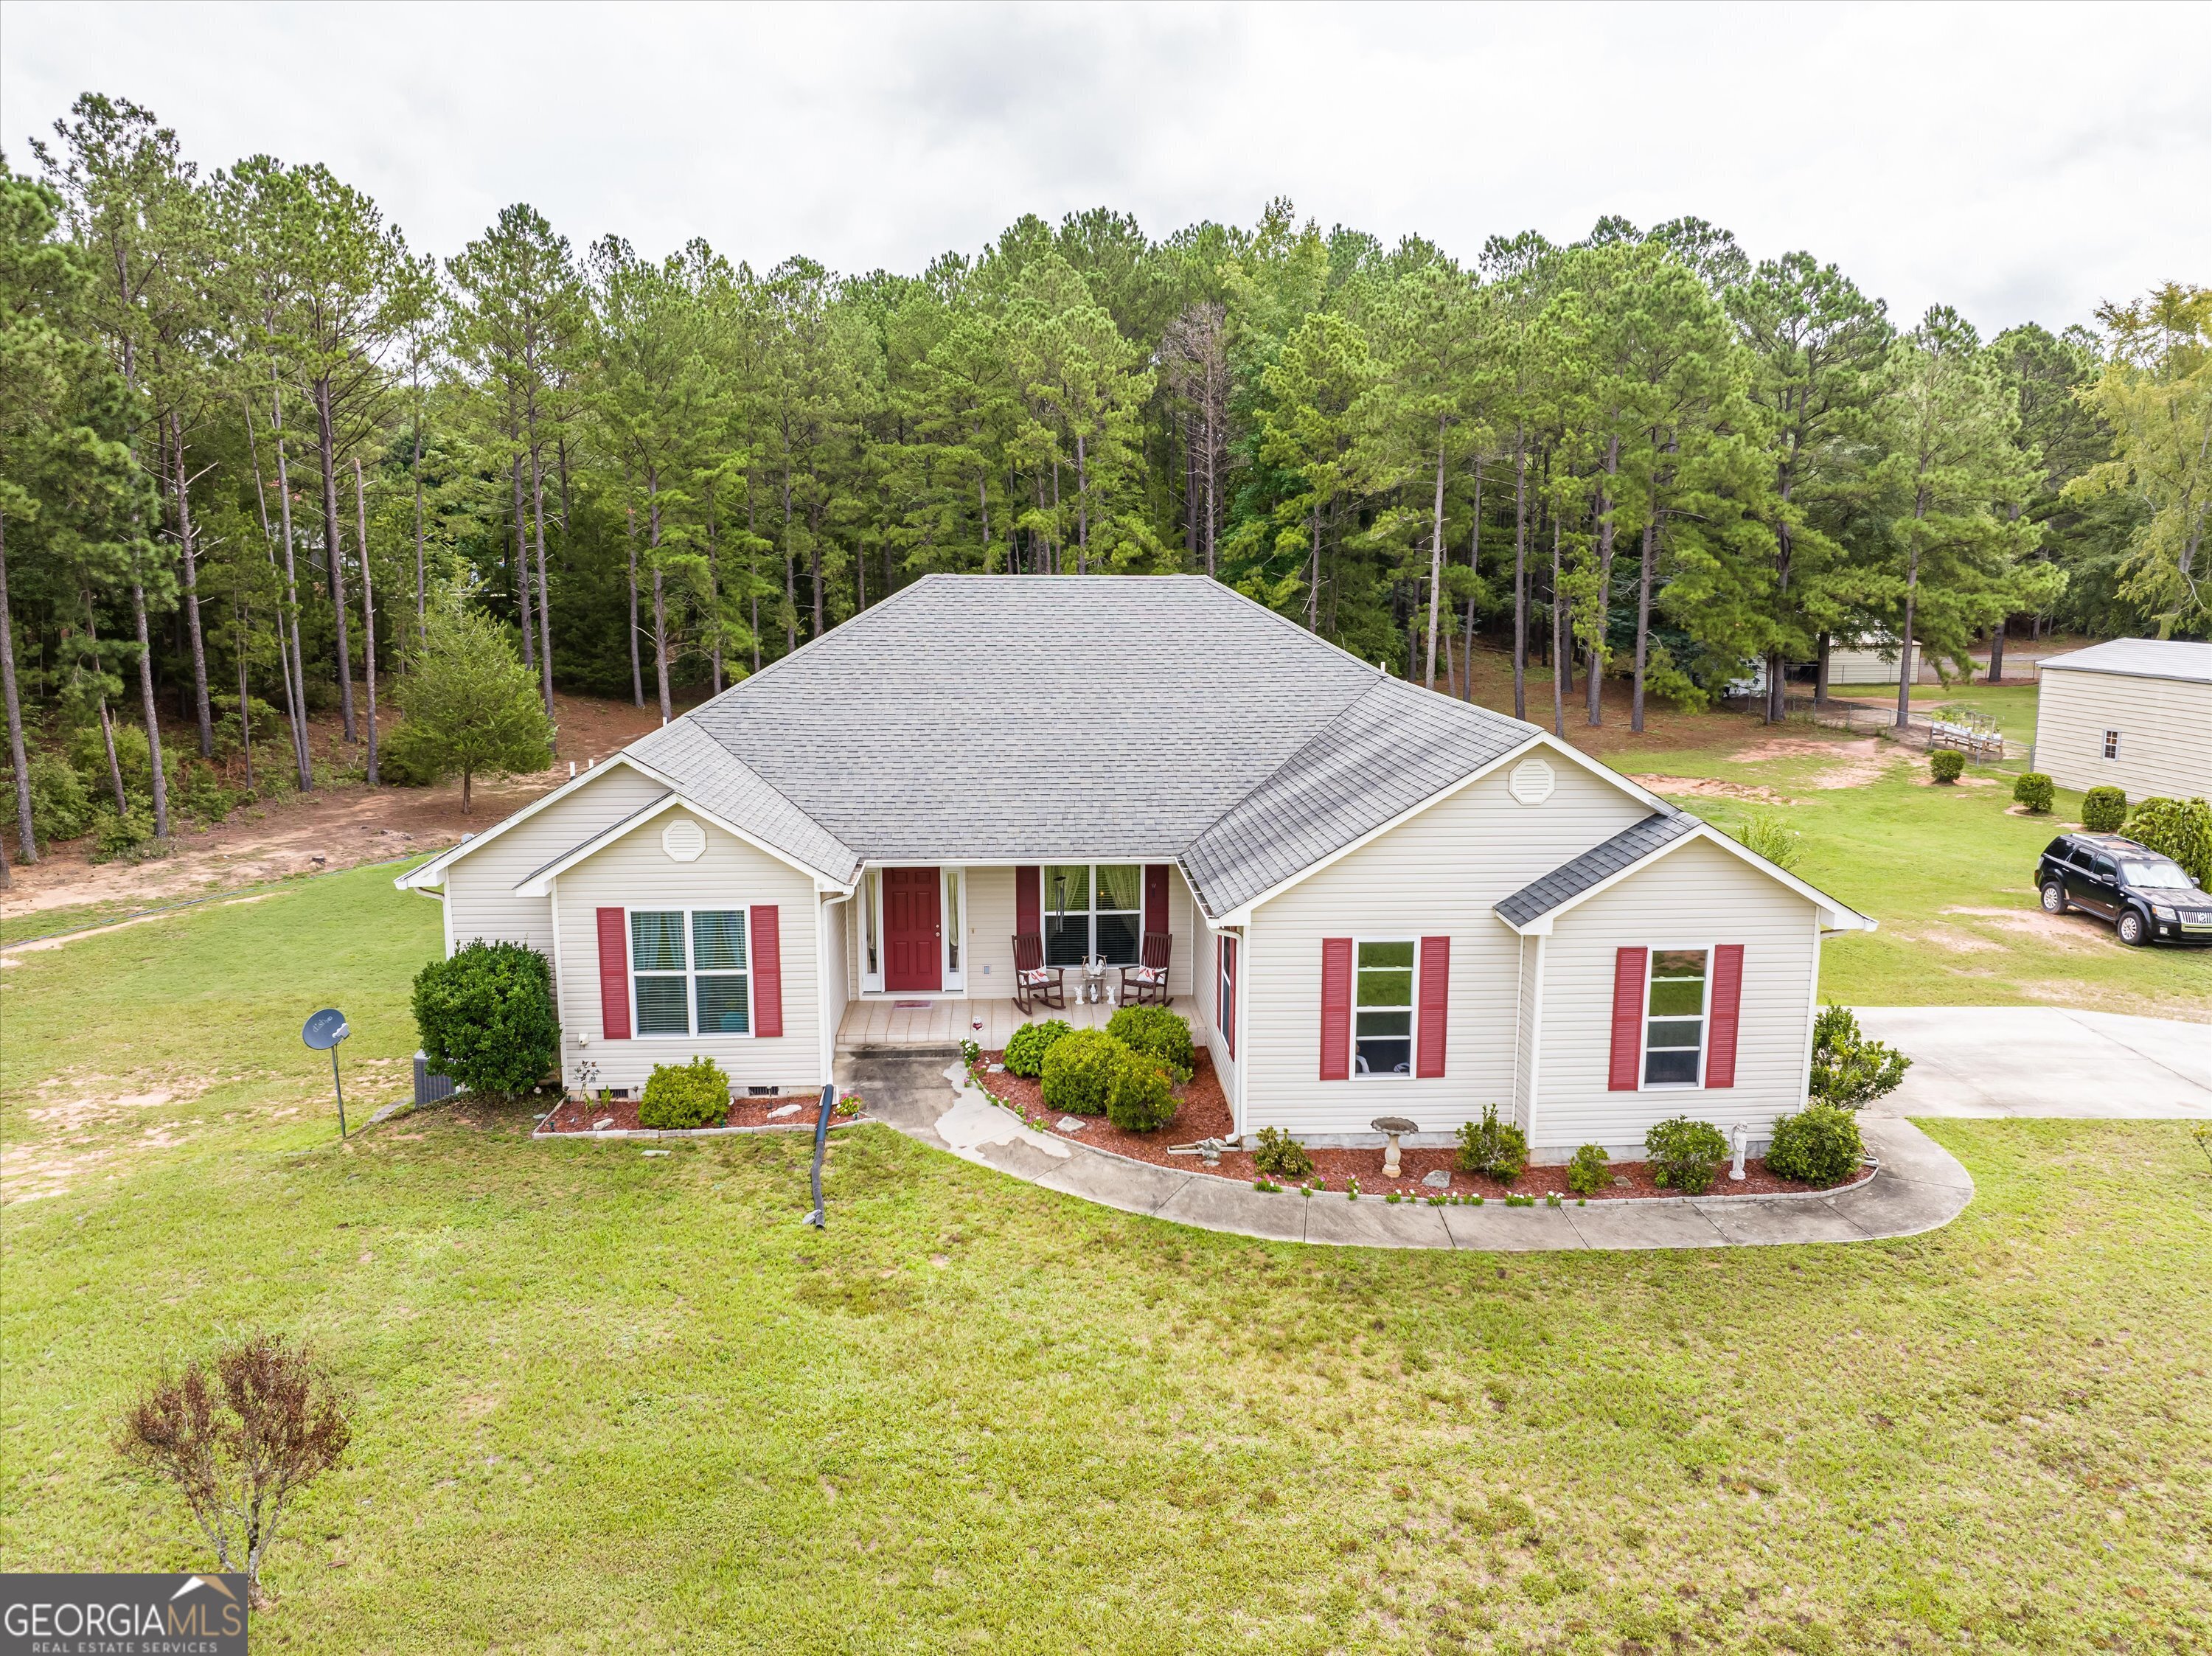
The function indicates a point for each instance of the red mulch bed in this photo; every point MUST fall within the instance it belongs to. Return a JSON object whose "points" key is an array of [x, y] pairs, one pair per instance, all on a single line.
{"points": [[1204, 1113], [573, 1116]]}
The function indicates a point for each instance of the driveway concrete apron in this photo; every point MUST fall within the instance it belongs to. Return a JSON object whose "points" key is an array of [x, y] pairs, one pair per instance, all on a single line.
{"points": [[1920, 1185], [2044, 1061]]}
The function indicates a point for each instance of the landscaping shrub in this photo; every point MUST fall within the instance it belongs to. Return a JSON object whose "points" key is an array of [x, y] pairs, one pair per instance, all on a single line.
{"points": [[1765, 836], [694, 1094], [201, 794], [1280, 1156], [1684, 1155], [1586, 1171], [61, 808], [1027, 1046], [2180, 829], [1077, 1073], [486, 1017], [1490, 1146], [1848, 1068], [1945, 766], [120, 839], [1140, 1097], [1159, 1033], [2033, 790], [1818, 1144], [2103, 810]]}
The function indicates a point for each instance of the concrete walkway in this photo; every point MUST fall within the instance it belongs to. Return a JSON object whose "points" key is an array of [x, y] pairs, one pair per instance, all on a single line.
{"points": [[2044, 1061], [1920, 1185]]}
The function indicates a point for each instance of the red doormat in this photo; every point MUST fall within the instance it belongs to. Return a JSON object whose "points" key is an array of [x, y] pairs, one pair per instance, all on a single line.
{"points": [[912, 1005]]}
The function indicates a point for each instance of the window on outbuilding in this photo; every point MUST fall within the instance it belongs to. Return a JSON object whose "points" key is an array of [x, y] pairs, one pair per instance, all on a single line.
{"points": [[690, 973], [1382, 1008], [1674, 1018], [2112, 744]]}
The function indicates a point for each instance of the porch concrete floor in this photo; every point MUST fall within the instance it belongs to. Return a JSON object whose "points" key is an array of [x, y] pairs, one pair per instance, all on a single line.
{"points": [[877, 1023]]}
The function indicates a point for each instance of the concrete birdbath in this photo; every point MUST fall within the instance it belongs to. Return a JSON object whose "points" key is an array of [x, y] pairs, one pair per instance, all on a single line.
{"points": [[1391, 1127]]}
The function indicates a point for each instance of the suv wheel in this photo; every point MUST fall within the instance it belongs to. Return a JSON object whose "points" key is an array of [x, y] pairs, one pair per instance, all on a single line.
{"points": [[2135, 931], [2054, 898]]}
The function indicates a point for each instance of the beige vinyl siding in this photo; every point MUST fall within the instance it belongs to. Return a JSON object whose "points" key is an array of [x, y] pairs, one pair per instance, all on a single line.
{"points": [[2165, 726], [635, 873], [480, 897], [1696, 896], [1438, 873], [1206, 991]]}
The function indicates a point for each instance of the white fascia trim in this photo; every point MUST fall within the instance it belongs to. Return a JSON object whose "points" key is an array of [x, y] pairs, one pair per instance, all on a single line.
{"points": [[1833, 916], [433, 873], [952, 860], [1542, 739], [541, 884]]}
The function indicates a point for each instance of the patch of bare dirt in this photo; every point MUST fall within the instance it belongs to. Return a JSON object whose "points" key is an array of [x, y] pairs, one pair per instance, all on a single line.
{"points": [[1855, 762], [1967, 780], [2065, 930], [336, 828], [81, 1125], [1712, 787]]}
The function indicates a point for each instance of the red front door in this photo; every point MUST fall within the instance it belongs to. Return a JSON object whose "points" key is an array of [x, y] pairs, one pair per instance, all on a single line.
{"points": [[914, 954]]}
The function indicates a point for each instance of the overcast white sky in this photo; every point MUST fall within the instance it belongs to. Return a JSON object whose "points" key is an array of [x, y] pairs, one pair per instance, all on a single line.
{"points": [[2018, 161]]}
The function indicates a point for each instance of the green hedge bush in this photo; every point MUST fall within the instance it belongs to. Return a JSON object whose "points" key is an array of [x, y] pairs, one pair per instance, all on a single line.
{"points": [[2103, 810], [1027, 1046], [1077, 1073], [61, 806], [2033, 790], [1157, 1032], [1281, 1156], [120, 839], [1684, 1155], [1946, 766], [2180, 829], [1586, 1171], [694, 1094], [1140, 1097], [486, 1017], [1819, 1144], [1497, 1148], [1848, 1068]]}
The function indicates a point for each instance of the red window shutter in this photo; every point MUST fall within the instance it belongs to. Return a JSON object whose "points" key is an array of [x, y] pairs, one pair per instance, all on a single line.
{"points": [[1155, 897], [1434, 1008], [1029, 901], [1627, 1019], [1335, 1009], [766, 955], [614, 975], [1728, 1004]]}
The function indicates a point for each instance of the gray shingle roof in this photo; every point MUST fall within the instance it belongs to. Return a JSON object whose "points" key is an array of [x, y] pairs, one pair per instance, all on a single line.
{"points": [[1394, 747], [2139, 658], [1601, 862], [1144, 719]]}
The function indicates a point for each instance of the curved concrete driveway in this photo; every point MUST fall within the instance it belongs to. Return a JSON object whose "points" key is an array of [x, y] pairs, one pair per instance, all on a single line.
{"points": [[1920, 1185], [2044, 1061]]}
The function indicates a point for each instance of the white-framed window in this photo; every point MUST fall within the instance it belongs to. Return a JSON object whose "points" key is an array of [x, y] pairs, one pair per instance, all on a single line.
{"points": [[1676, 999], [1382, 1006], [1093, 909], [1225, 993], [2112, 744], [689, 973], [871, 965], [951, 900]]}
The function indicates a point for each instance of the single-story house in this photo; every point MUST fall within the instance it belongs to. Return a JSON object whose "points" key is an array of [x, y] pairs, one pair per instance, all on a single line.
{"points": [[1374, 900], [2133, 713]]}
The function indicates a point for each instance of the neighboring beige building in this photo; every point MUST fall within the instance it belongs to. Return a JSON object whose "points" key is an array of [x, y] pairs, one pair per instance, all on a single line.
{"points": [[1373, 899], [2133, 713]]}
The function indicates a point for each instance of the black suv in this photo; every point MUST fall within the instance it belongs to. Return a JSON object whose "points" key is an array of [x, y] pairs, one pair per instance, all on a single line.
{"points": [[2143, 894]]}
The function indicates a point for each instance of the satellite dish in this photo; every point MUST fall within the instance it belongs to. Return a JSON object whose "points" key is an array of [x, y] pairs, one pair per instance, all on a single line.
{"points": [[325, 1030]]}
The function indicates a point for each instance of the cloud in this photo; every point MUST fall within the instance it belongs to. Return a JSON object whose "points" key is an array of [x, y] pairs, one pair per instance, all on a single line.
{"points": [[2013, 161]]}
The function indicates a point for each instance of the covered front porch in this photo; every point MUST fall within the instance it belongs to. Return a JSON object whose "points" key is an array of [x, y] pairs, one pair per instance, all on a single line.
{"points": [[873, 1023]]}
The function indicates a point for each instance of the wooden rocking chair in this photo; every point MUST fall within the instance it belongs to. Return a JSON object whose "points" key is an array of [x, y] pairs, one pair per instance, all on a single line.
{"points": [[1147, 984], [1037, 984]]}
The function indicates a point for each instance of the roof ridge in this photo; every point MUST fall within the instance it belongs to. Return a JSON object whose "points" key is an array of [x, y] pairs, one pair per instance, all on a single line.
{"points": [[1289, 760]]}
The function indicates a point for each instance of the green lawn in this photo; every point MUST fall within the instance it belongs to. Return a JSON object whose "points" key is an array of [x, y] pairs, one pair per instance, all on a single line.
{"points": [[1949, 873], [608, 1401]]}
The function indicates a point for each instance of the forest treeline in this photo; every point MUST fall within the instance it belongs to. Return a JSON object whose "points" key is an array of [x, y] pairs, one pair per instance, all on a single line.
{"points": [[252, 446]]}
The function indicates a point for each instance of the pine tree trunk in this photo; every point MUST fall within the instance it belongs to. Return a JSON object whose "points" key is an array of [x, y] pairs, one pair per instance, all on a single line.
{"points": [[368, 612], [1595, 713], [25, 837], [114, 766], [636, 678], [659, 602], [714, 600], [1996, 653], [192, 589], [332, 550], [522, 573], [1562, 648], [245, 713], [1905, 665], [422, 602], [1437, 561], [790, 579], [544, 593], [1082, 509], [296, 678], [1519, 574], [1473, 568], [1643, 624], [146, 706], [1313, 571]]}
